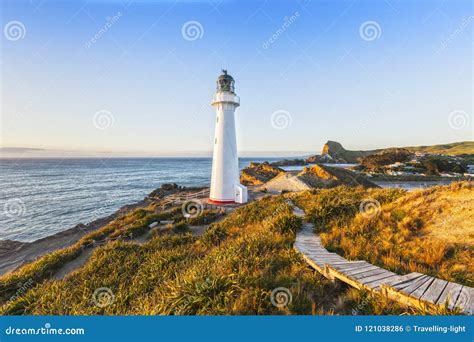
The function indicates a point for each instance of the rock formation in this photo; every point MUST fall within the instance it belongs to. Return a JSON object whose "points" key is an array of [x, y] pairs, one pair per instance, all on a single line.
{"points": [[259, 173], [316, 176]]}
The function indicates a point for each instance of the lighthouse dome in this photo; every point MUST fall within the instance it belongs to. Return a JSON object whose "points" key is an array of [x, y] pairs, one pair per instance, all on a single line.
{"points": [[225, 82]]}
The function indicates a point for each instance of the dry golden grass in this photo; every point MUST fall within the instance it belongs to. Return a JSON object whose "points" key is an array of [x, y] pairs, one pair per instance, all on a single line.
{"points": [[428, 231], [447, 213]]}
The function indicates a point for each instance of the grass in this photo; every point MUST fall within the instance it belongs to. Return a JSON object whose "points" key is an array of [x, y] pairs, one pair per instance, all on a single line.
{"points": [[231, 269], [133, 223], [410, 232], [458, 148]]}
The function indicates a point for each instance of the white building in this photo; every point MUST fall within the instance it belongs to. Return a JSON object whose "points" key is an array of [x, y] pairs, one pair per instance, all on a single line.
{"points": [[225, 180]]}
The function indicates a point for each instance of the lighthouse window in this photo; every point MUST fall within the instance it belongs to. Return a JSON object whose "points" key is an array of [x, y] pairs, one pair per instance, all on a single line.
{"points": [[217, 120], [215, 141]]}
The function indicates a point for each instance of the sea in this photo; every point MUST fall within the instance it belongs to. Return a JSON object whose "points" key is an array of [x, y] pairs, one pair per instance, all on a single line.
{"points": [[41, 197]]}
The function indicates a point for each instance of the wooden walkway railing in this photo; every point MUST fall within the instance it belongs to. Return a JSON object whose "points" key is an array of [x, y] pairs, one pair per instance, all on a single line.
{"points": [[414, 289], [175, 199]]}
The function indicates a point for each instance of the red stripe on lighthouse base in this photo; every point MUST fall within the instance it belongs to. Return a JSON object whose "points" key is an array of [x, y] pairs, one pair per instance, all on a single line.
{"points": [[221, 202]]}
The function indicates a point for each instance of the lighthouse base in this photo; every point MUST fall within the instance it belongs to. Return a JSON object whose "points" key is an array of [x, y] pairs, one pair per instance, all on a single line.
{"points": [[240, 196], [219, 202]]}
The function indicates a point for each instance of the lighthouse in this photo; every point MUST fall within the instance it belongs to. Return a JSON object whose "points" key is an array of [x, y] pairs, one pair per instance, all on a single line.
{"points": [[225, 180]]}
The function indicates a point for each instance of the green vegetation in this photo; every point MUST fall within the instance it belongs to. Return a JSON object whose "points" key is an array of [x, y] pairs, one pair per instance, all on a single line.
{"points": [[378, 161], [206, 217], [237, 263], [407, 233], [231, 269], [134, 223], [453, 149], [435, 165]]}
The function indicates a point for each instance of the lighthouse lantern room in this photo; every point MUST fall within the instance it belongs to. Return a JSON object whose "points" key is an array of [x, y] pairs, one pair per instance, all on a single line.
{"points": [[225, 180]]}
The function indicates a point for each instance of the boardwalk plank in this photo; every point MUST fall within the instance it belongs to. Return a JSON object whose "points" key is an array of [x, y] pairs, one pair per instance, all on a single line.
{"points": [[465, 300], [405, 280], [363, 274], [377, 283], [422, 289], [434, 291], [366, 274], [360, 270], [450, 294], [345, 265], [352, 262], [386, 274], [372, 275], [416, 284], [350, 268]]}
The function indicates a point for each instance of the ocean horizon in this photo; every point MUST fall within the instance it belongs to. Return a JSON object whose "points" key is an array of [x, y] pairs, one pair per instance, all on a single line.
{"points": [[55, 194]]}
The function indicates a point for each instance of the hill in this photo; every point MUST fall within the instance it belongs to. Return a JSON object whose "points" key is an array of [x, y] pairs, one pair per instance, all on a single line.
{"points": [[242, 265], [454, 149], [337, 153], [259, 173], [428, 231], [316, 176]]}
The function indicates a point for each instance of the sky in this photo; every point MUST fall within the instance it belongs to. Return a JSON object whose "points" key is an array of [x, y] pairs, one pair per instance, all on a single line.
{"points": [[137, 77]]}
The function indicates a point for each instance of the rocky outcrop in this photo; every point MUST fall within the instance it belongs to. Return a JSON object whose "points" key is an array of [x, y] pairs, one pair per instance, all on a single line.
{"points": [[259, 173], [386, 157], [287, 181], [337, 152], [290, 162], [320, 176], [315, 177]]}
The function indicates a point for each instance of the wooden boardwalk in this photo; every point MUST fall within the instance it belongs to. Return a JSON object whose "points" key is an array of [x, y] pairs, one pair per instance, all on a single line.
{"points": [[414, 289]]}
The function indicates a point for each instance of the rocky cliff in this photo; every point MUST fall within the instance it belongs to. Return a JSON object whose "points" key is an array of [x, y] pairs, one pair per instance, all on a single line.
{"points": [[259, 173], [339, 154]]}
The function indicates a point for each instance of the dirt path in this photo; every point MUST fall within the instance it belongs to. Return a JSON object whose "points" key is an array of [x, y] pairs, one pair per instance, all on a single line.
{"points": [[84, 257], [14, 254]]}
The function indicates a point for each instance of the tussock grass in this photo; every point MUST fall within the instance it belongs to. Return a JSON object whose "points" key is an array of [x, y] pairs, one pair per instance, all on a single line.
{"points": [[232, 269], [409, 233], [134, 223]]}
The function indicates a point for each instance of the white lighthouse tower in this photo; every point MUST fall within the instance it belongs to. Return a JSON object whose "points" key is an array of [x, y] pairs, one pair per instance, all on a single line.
{"points": [[225, 180]]}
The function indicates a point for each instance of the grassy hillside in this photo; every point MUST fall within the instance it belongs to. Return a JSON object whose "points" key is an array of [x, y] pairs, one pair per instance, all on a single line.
{"points": [[338, 152], [428, 231], [454, 149], [231, 269]]}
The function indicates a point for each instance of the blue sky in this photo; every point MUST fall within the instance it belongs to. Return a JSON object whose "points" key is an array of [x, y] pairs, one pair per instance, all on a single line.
{"points": [[144, 86]]}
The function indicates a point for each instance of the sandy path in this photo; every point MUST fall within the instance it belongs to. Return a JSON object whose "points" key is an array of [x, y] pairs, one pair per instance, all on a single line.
{"points": [[13, 254], [83, 258]]}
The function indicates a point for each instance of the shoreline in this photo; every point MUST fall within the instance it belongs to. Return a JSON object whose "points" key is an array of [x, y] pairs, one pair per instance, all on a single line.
{"points": [[14, 254]]}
